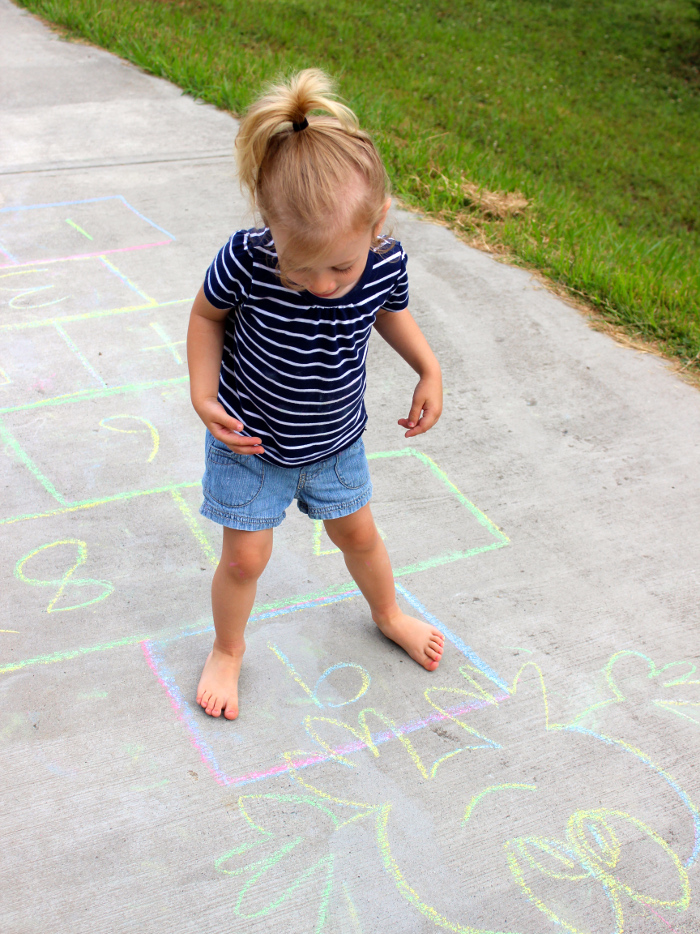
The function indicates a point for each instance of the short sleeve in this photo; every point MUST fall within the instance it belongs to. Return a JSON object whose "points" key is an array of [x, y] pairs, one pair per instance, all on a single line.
{"points": [[397, 299], [228, 279]]}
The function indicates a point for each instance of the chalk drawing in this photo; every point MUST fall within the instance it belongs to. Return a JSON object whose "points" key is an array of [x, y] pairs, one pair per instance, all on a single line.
{"points": [[67, 579], [126, 280], [91, 315], [41, 228], [168, 343], [18, 451], [490, 790], [318, 548], [78, 353], [259, 868], [78, 228], [84, 394], [313, 693], [680, 678], [278, 863], [21, 292], [150, 428], [352, 910], [590, 852]]}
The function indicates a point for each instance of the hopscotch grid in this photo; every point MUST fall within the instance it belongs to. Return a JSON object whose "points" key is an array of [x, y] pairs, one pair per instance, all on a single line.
{"points": [[15, 262], [333, 593], [186, 713]]}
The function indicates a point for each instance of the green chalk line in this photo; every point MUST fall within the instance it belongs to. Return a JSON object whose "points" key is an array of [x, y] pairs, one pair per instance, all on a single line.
{"points": [[87, 315], [91, 503], [85, 394], [79, 229], [258, 611], [79, 354], [19, 452], [67, 654], [429, 462]]}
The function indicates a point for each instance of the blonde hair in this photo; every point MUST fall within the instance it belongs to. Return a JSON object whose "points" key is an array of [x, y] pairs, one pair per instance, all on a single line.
{"points": [[305, 180]]}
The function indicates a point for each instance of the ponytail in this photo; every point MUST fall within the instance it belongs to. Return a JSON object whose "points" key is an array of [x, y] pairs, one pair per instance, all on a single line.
{"points": [[298, 165], [284, 105]]}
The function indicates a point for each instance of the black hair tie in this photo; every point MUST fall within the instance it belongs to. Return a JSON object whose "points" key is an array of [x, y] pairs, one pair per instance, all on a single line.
{"points": [[298, 127]]}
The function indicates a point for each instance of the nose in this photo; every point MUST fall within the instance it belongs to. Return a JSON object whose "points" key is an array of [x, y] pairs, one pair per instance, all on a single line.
{"points": [[321, 284]]}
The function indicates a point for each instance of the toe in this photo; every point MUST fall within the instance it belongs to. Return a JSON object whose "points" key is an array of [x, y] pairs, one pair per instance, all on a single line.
{"points": [[231, 713], [203, 698]]}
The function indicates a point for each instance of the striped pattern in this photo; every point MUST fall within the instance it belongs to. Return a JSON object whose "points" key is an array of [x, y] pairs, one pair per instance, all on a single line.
{"points": [[293, 370]]}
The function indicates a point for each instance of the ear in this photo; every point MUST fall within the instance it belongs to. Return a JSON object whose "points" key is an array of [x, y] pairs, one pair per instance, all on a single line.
{"points": [[382, 220]]}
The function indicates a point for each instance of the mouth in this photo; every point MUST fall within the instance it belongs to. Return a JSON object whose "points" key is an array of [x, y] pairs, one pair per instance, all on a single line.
{"points": [[324, 294]]}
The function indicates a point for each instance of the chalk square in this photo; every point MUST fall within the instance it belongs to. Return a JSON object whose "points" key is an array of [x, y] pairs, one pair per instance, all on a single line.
{"points": [[38, 366], [94, 576], [96, 448], [137, 346], [93, 226], [323, 660]]}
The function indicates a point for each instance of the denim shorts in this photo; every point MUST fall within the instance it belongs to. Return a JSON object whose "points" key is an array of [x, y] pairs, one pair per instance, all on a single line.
{"points": [[242, 491]]}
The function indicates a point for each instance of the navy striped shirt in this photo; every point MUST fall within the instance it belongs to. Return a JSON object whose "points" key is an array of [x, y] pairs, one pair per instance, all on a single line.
{"points": [[293, 367]]}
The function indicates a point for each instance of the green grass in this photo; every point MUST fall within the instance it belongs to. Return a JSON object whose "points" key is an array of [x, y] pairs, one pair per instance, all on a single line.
{"points": [[590, 109]]}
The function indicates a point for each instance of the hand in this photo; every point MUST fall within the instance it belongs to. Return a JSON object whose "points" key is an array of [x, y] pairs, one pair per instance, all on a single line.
{"points": [[224, 427], [426, 407]]}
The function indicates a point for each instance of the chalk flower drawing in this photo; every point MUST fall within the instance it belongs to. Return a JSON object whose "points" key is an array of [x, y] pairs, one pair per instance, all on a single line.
{"points": [[597, 864]]}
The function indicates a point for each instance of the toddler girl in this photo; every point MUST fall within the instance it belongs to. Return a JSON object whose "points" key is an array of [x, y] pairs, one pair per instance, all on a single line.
{"points": [[276, 346]]}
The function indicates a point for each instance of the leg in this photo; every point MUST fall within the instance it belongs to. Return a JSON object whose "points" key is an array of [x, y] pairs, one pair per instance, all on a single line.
{"points": [[243, 559], [367, 560]]}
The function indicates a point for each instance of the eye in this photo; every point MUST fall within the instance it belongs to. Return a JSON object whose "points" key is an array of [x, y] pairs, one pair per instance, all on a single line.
{"points": [[342, 269]]}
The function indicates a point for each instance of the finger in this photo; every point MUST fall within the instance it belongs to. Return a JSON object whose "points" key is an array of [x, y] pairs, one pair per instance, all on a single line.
{"points": [[247, 446], [230, 427], [232, 438], [414, 414], [248, 451], [214, 413], [425, 423]]}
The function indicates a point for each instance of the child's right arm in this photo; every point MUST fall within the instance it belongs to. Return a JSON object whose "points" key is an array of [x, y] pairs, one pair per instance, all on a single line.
{"points": [[205, 344]]}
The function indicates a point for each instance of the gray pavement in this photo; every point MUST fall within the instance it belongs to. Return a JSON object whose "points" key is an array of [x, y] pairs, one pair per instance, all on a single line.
{"points": [[544, 779]]}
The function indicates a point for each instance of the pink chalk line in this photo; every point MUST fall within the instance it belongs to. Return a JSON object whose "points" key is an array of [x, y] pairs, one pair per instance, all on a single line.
{"points": [[209, 761], [64, 259]]}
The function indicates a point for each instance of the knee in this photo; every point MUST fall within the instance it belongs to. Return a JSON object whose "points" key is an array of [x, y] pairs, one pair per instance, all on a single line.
{"points": [[357, 540], [244, 564]]}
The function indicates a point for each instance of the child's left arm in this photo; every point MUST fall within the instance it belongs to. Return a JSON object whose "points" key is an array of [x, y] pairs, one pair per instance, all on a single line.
{"points": [[402, 333]]}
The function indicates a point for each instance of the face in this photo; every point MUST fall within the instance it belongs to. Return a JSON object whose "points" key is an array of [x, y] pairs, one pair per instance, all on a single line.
{"points": [[338, 270]]}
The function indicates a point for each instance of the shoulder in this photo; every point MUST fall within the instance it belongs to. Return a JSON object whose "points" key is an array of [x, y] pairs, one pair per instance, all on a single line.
{"points": [[250, 245], [232, 274], [389, 257], [390, 251]]}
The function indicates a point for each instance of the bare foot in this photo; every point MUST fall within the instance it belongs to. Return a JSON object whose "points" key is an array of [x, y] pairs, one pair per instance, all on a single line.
{"points": [[218, 686], [423, 643]]}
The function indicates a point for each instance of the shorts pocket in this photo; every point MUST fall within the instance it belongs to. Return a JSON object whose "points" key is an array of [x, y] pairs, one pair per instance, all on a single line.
{"points": [[351, 466], [231, 479]]}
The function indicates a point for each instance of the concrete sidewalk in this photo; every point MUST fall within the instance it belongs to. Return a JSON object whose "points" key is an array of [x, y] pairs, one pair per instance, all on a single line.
{"points": [[544, 779]]}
